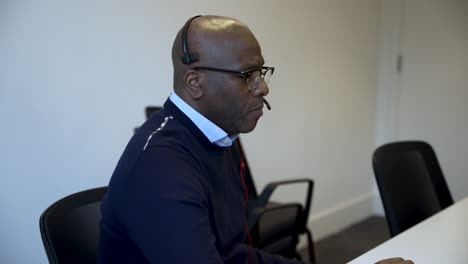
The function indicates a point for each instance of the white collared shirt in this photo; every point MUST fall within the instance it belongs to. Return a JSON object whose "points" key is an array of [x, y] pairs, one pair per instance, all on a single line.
{"points": [[214, 133]]}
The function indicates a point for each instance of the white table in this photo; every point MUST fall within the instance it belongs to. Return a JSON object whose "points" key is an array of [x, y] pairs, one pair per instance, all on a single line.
{"points": [[442, 238]]}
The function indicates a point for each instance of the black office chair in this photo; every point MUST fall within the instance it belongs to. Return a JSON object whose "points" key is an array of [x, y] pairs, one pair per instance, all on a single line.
{"points": [[274, 227], [70, 228], [411, 183]]}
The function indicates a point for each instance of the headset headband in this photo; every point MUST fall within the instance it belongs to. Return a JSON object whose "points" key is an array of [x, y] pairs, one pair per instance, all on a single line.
{"points": [[188, 58]]}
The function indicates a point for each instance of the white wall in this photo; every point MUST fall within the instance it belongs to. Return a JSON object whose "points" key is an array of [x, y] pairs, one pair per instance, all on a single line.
{"points": [[76, 75], [434, 84], [428, 100]]}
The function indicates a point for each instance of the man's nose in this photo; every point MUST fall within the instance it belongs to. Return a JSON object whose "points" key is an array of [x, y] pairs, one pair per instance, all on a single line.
{"points": [[262, 89]]}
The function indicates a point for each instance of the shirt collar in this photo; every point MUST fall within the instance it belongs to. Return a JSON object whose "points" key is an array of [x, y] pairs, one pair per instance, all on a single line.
{"points": [[214, 133]]}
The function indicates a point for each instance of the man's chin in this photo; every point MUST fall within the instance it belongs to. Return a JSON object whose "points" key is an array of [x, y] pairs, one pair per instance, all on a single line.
{"points": [[247, 128]]}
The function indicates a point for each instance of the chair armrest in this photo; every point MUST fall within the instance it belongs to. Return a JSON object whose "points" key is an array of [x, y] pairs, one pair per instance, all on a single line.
{"points": [[262, 200]]}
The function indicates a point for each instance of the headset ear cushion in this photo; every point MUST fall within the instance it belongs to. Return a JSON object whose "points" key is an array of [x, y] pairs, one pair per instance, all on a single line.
{"points": [[185, 59], [189, 58], [193, 57]]}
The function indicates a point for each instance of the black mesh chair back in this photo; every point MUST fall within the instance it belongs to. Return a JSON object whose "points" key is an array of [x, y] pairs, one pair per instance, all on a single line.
{"points": [[411, 183], [238, 153], [149, 110], [70, 228], [275, 227]]}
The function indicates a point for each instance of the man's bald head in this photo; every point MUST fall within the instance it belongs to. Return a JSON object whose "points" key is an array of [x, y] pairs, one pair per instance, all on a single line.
{"points": [[217, 41]]}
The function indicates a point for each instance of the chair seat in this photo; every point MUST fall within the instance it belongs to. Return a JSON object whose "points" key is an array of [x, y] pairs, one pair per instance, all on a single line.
{"points": [[278, 224], [282, 246]]}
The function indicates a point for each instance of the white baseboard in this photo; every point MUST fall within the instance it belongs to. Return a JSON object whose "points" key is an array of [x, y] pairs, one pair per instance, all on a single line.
{"points": [[337, 218]]}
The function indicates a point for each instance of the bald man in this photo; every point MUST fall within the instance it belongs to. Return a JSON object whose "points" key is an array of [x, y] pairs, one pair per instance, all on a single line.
{"points": [[176, 195]]}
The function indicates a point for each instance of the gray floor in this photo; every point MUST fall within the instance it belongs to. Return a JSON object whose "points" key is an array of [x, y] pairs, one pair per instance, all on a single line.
{"points": [[351, 242]]}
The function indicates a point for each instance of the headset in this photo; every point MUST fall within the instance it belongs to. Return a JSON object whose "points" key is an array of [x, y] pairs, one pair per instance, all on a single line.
{"points": [[188, 58]]}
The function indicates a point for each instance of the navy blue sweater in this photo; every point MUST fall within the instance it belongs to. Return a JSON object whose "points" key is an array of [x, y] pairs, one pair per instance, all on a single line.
{"points": [[175, 197]]}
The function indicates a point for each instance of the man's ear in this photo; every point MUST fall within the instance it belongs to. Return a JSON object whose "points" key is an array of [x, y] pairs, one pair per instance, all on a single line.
{"points": [[194, 83]]}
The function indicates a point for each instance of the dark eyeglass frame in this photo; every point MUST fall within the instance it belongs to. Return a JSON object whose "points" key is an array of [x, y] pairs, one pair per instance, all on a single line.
{"points": [[244, 74]]}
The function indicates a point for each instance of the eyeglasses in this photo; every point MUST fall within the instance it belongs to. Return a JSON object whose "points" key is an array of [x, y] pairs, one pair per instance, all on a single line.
{"points": [[251, 76]]}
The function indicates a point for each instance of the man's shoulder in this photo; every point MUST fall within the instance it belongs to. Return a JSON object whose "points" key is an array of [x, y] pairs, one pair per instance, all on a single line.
{"points": [[165, 130]]}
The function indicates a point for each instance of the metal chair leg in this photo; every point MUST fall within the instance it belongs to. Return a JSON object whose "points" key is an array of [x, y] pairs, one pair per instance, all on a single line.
{"points": [[311, 246]]}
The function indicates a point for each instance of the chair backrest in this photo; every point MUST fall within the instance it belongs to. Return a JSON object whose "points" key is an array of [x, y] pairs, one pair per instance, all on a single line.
{"points": [[411, 183], [70, 227], [150, 109], [238, 153]]}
